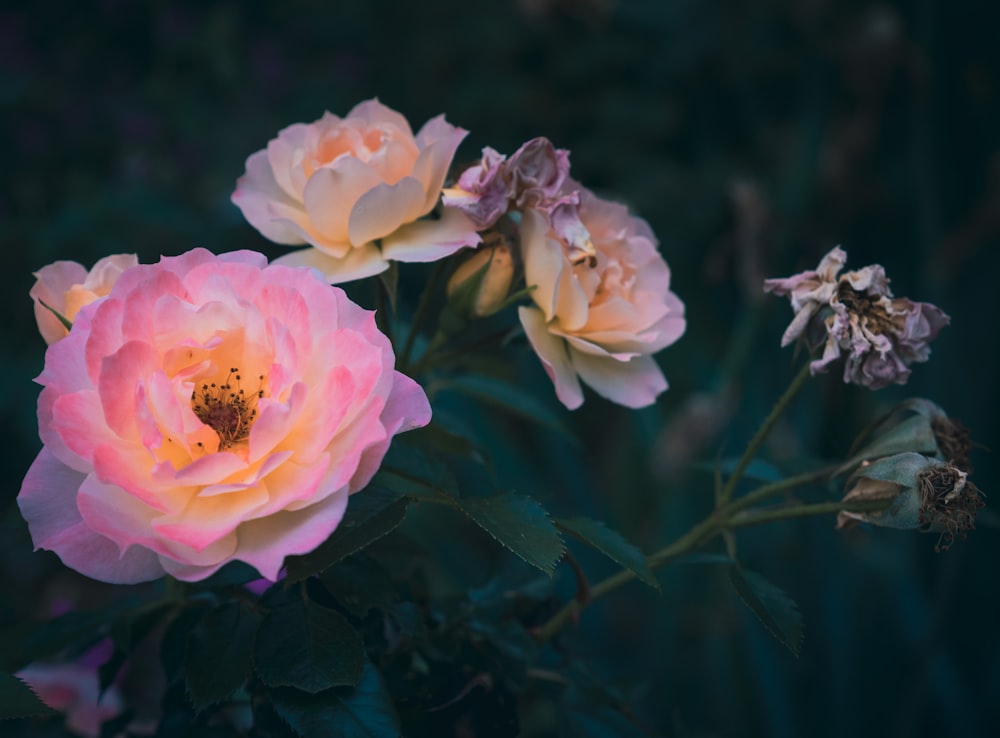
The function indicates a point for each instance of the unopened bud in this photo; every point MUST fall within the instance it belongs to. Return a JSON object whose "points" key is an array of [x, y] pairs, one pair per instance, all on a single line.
{"points": [[481, 283]]}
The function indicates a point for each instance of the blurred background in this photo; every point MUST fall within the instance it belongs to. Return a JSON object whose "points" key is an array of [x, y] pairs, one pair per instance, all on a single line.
{"points": [[753, 137]]}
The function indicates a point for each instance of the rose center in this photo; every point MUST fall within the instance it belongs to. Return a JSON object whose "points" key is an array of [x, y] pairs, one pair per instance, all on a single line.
{"points": [[871, 308], [227, 408]]}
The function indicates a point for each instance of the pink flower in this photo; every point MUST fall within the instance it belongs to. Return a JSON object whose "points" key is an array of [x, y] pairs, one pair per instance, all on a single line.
{"points": [[879, 336], [210, 409], [73, 688], [602, 297], [343, 185], [533, 177], [66, 286]]}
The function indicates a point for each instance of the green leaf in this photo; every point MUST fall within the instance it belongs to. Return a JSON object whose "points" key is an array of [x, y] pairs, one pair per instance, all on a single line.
{"points": [[371, 514], [173, 646], [611, 544], [233, 574], [27, 642], [18, 700], [219, 653], [309, 647], [408, 470], [520, 524], [508, 397], [776, 610], [366, 711]]}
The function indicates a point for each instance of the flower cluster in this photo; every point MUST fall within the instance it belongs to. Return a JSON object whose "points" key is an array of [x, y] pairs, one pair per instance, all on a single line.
{"points": [[878, 336], [601, 291]]}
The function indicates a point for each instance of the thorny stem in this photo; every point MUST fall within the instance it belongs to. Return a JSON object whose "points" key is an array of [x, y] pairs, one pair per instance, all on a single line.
{"points": [[717, 522], [779, 407], [725, 516]]}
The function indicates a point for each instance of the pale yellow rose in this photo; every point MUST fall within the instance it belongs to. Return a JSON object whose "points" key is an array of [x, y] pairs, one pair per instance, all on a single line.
{"points": [[354, 188], [66, 286], [603, 304]]}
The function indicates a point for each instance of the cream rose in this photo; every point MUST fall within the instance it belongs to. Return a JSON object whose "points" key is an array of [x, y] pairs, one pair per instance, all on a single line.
{"points": [[354, 188], [66, 286], [602, 298]]}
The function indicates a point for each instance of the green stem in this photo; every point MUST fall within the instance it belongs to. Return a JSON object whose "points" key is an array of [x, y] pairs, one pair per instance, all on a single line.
{"points": [[717, 522], [381, 314], [755, 443], [419, 315], [760, 517]]}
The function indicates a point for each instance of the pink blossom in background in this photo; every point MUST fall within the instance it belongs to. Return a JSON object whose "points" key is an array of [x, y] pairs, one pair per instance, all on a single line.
{"points": [[877, 335], [73, 688], [342, 185], [66, 286], [603, 304], [210, 409]]}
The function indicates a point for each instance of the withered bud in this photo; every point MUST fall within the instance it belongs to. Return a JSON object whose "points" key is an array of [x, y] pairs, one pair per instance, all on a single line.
{"points": [[925, 494]]}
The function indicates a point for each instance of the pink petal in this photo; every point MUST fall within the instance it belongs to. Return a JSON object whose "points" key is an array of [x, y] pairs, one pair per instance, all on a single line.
{"points": [[635, 383]]}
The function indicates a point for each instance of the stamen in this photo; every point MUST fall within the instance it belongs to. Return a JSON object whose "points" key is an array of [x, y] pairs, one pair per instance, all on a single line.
{"points": [[226, 408]]}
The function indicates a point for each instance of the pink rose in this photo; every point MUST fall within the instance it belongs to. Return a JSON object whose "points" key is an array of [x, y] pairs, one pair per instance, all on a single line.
{"points": [[602, 297], [210, 409], [66, 286], [343, 185], [73, 688]]}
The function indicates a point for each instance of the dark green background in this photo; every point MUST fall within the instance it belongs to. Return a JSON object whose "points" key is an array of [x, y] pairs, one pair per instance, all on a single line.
{"points": [[871, 125]]}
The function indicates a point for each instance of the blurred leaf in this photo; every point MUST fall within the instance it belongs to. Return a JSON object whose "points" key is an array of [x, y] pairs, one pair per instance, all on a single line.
{"points": [[757, 470], [507, 396], [309, 647], [587, 714], [26, 642], [366, 711], [18, 700], [359, 583], [371, 514], [776, 610], [219, 653], [520, 524], [611, 544], [233, 574], [173, 646]]}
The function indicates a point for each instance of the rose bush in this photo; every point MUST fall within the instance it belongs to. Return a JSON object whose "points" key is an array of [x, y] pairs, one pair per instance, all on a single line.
{"points": [[210, 409], [342, 184], [602, 298], [67, 286]]}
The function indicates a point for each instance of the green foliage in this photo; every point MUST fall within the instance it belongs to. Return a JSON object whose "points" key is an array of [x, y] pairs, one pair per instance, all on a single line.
{"points": [[371, 514], [520, 524], [775, 610], [219, 653], [362, 711], [17, 700], [304, 645], [506, 396], [611, 544]]}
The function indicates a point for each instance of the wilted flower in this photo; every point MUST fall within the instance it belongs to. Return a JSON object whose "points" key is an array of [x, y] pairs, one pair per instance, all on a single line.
{"points": [[66, 286], [210, 409], [344, 184], [532, 177], [922, 493], [602, 298], [878, 335]]}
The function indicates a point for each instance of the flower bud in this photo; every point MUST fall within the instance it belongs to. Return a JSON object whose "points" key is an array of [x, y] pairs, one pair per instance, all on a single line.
{"points": [[481, 283], [923, 493]]}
